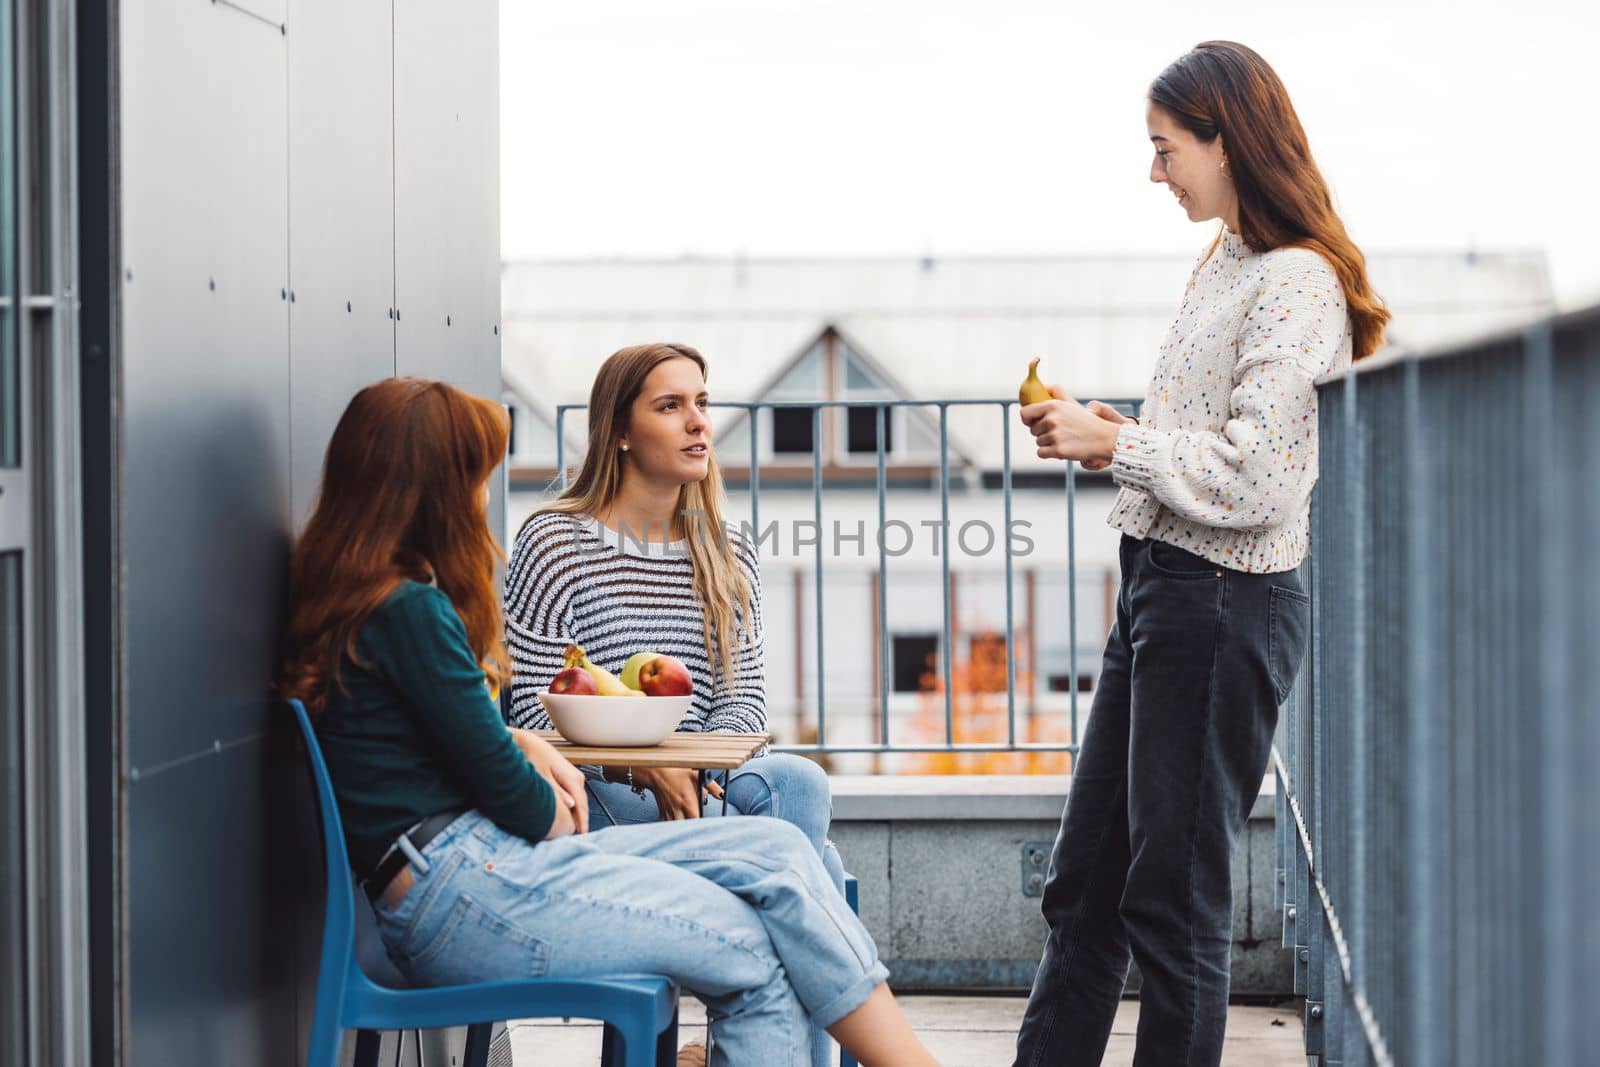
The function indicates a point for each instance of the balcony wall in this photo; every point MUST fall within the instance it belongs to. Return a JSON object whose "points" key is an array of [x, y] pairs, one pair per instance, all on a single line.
{"points": [[1439, 814], [949, 875]]}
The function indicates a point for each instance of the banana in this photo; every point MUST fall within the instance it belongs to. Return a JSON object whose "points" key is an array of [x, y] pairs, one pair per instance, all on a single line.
{"points": [[1033, 391], [608, 684]]}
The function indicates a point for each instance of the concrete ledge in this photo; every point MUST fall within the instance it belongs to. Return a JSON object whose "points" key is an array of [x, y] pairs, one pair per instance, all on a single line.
{"points": [[967, 797], [950, 869]]}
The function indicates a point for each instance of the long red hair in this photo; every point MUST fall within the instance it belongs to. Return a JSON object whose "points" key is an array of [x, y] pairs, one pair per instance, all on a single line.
{"points": [[401, 497], [1223, 89]]}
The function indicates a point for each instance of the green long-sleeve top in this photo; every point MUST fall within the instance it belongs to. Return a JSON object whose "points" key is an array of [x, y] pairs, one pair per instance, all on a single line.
{"points": [[415, 732]]}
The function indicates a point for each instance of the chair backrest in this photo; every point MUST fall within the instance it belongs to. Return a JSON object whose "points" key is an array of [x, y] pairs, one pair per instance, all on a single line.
{"points": [[338, 927], [348, 998]]}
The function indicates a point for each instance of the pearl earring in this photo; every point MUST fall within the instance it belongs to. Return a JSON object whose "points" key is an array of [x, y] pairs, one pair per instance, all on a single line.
{"points": [[624, 448]]}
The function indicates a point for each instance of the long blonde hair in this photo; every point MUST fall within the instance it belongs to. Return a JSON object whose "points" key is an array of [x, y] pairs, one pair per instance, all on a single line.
{"points": [[719, 584]]}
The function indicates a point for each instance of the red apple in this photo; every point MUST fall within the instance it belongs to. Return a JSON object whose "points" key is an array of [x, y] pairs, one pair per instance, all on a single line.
{"points": [[665, 677], [575, 681]]}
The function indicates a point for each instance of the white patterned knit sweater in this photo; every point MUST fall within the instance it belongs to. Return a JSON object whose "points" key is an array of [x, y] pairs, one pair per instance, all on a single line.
{"points": [[1224, 456], [572, 581]]}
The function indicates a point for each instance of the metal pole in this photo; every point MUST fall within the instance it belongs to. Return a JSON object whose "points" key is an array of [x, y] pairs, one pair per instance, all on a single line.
{"points": [[1072, 600], [816, 496], [1356, 816], [1424, 933], [883, 587], [561, 444], [755, 480], [944, 559], [1011, 647], [1555, 604]]}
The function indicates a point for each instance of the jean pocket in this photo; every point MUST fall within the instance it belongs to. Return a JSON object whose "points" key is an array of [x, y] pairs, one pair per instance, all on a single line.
{"points": [[477, 944], [1170, 561], [487, 832], [1288, 626]]}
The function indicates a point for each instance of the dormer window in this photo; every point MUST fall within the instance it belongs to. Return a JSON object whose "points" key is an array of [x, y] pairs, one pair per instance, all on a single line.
{"points": [[792, 431], [862, 431], [832, 369]]}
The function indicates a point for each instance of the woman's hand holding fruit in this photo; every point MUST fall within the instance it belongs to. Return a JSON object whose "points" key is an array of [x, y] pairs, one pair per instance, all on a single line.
{"points": [[1065, 429]]}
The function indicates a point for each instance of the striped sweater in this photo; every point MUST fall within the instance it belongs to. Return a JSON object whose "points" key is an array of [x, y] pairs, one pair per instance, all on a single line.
{"points": [[572, 581]]}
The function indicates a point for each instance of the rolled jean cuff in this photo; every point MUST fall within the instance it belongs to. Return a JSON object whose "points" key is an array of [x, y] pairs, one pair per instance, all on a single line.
{"points": [[853, 997]]}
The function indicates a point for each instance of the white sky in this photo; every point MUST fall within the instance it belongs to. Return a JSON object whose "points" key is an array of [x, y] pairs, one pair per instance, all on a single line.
{"points": [[824, 127]]}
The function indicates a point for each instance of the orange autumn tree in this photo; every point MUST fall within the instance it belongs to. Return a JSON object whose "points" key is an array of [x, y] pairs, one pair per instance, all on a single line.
{"points": [[978, 715]]}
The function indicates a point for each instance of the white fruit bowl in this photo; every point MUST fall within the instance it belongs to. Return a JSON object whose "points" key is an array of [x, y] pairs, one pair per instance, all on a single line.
{"points": [[616, 722]]}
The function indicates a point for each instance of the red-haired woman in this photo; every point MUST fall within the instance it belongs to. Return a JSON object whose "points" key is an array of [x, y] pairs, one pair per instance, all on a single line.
{"points": [[1212, 615], [469, 836]]}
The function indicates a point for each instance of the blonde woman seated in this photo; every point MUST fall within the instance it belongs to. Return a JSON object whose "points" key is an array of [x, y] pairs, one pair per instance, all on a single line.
{"points": [[633, 557]]}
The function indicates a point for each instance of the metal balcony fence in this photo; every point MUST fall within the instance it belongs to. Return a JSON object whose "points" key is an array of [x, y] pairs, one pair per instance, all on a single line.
{"points": [[1438, 795], [1005, 416]]}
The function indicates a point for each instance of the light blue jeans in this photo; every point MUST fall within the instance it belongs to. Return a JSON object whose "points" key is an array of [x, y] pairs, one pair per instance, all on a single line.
{"points": [[739, 911], [779, 784]]}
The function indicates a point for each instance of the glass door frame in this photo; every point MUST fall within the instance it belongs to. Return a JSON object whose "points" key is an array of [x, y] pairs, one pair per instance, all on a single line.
{"points": [[44, 901], [16, 681]]}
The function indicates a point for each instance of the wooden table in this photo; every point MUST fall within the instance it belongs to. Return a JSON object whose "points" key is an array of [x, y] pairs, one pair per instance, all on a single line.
{"points": [[703, 751], [711, 751]]}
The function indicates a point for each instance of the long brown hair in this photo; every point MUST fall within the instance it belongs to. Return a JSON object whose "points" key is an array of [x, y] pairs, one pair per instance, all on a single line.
{"points": [[401, 497], [1225, 89], [719, 584]]}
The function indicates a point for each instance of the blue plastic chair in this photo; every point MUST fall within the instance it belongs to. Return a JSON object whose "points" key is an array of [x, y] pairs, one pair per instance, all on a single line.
{"points": [[852, 897], [640, 1012]]}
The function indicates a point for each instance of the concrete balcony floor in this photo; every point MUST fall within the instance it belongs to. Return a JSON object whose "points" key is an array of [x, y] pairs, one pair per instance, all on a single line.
{"points": [[961, 1031]]}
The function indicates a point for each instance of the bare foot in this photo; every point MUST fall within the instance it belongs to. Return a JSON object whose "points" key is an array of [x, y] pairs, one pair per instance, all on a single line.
{"points": [[692, 1055]]}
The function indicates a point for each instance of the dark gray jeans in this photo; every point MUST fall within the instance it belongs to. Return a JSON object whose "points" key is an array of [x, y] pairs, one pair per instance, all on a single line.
{"points": [[1199, 659]]}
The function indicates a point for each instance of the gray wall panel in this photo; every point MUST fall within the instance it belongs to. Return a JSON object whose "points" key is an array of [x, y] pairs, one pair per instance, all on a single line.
{"points": [[206, 381], [341, 201], [270, 10], [211, 982], [204, 499], [447, 197], [447, 155], [254, 161]]}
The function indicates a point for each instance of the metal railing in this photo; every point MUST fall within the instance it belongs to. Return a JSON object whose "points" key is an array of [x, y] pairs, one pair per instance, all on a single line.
{"points": [[1439, 799], [1005, 421]]}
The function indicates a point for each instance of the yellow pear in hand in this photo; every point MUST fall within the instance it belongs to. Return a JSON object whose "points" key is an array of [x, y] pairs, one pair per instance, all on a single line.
{"points": [[1033, 391]]}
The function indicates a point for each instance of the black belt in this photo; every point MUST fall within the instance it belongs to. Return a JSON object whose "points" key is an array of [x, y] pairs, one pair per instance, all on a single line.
{"points": [[395, 860]]}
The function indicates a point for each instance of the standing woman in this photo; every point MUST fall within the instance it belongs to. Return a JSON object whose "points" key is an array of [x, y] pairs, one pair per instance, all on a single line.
{"points": [[1212, 616]]}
